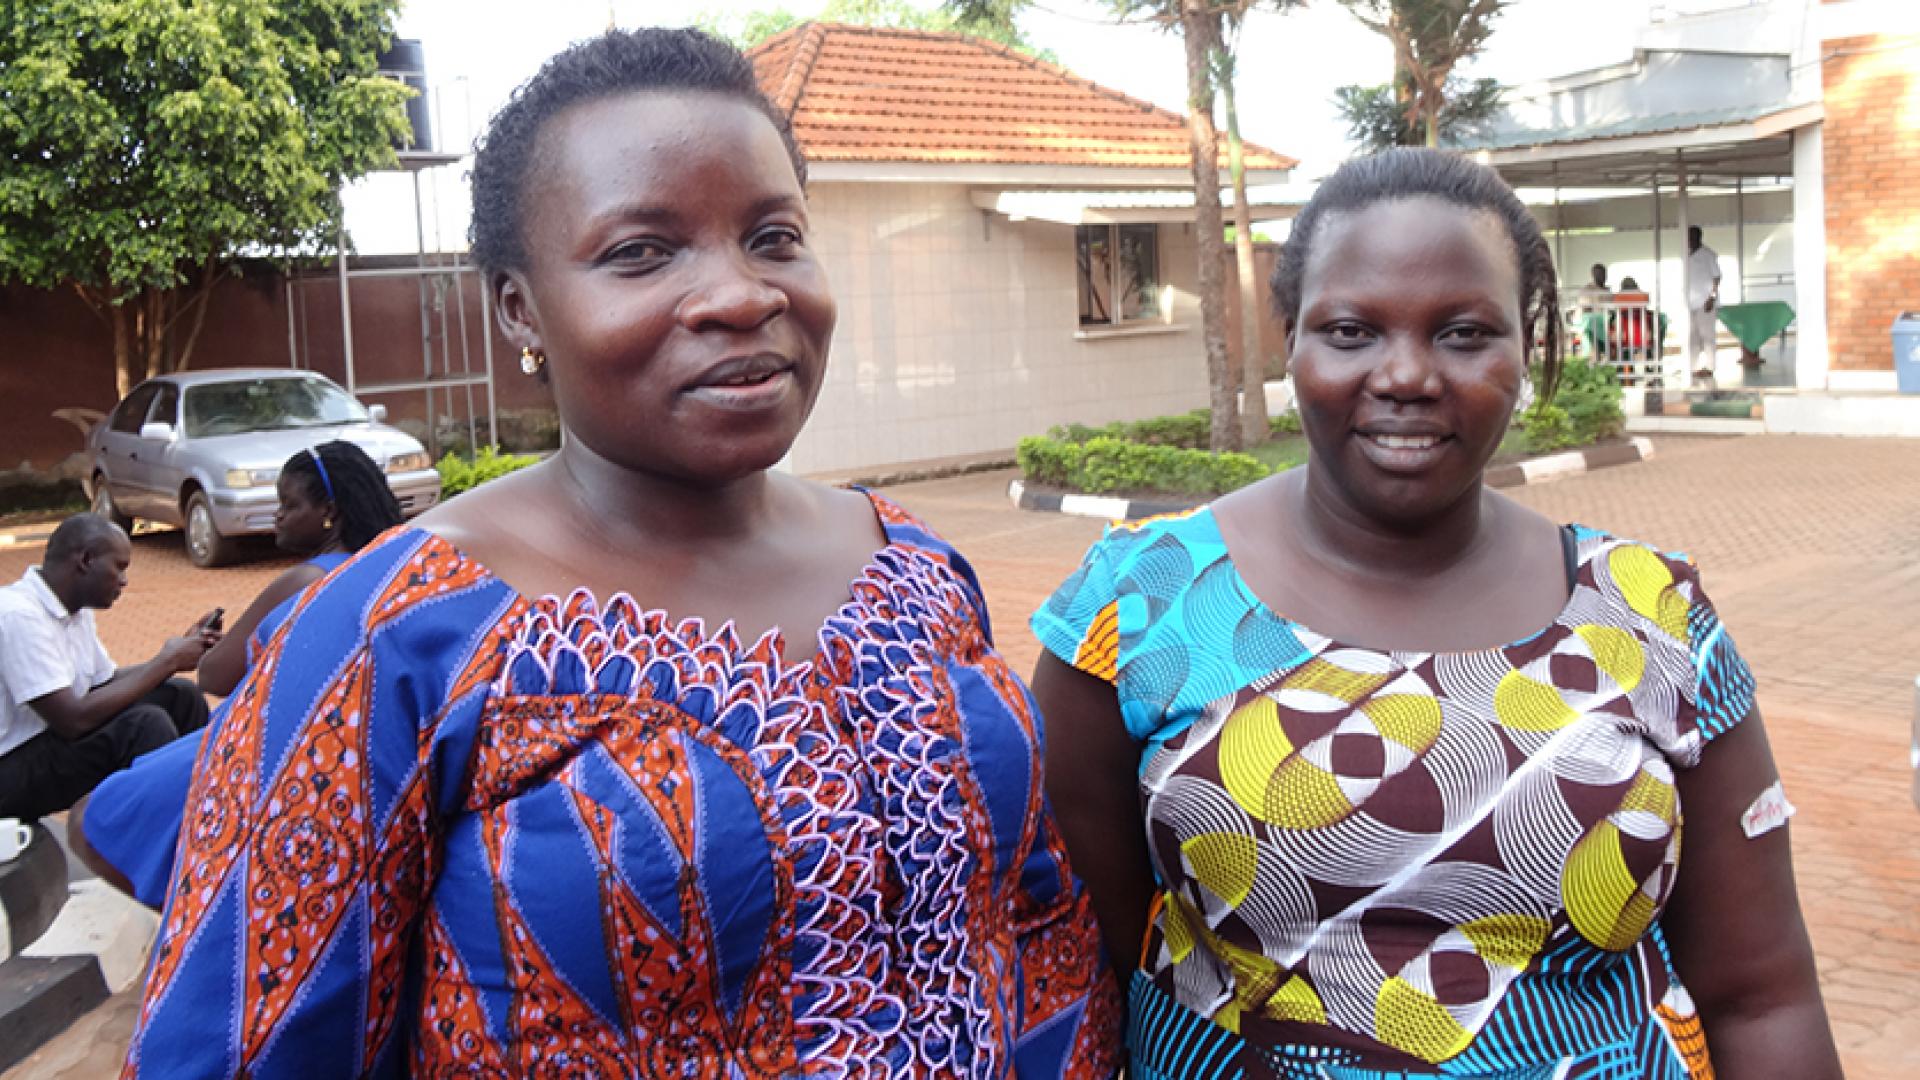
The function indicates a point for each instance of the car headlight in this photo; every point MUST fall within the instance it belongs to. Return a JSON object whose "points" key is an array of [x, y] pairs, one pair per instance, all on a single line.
{"points": [[246, 478], [413, 462]]}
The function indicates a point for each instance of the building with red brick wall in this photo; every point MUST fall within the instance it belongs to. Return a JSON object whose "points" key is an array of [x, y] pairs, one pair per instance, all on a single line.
{"points": [[1795, 123], [1870, 142]]}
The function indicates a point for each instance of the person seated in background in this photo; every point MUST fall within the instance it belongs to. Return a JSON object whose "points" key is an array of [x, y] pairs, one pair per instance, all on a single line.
{"points": [[1637, 332], [68, 717], [333, 501], [1595, 290], [1589, 325]]}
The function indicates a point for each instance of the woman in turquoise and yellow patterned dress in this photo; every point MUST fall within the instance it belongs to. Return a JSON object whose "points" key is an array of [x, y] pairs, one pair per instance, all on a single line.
{"points": [[1372, 771]]}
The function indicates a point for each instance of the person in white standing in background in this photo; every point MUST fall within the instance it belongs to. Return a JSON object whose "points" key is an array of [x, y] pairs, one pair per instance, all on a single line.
{"points": [[1703, 296]]}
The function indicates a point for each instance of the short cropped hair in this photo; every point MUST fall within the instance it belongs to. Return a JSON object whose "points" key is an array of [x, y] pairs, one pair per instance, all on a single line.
{"points": [[81, 534], [618, 62]]}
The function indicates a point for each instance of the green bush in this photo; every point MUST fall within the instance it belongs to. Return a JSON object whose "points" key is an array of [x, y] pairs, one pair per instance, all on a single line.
{"points": [[1590, 395], [1549, 428], [1045, 459], [1104, 463], [1186, 430], [1189, 431], [458, 474]]}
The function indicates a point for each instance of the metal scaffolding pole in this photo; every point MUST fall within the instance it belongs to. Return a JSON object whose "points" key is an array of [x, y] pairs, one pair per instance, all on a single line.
{"points": [[1740, 234], [1658, 303], [1559, 227], [1686, 263], [346, 315]]}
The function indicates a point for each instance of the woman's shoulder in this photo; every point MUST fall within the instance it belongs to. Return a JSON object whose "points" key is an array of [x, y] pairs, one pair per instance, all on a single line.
{"points": [[1174, 545], [1600, 547], [407, 576]]}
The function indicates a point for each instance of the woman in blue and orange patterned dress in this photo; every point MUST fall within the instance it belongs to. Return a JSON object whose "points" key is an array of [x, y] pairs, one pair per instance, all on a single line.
{"points": [[1376, 773], [540, 787]]}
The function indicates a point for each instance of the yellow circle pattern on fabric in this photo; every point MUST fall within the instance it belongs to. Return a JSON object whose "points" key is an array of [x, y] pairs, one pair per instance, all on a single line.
{"points": [[1615, 652], [1511, 941], [1412, 720], [1603, 897], [1412, 1020], [1223, 863], [1646, 584], [1525, 704], [1252, 746]]}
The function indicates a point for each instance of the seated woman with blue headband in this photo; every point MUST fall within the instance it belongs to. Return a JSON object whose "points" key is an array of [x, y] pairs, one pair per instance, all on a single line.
{"points": [[333, 501]]}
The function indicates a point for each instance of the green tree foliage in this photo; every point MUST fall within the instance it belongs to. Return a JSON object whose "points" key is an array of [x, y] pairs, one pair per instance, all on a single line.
{"points": [[989, 19], [1430, 38], [146, 145], [1377, 117]]}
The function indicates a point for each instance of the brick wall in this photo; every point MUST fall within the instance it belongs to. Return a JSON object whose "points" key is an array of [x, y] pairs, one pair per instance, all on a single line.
{"points": [[1872, 164], [55, 354]]}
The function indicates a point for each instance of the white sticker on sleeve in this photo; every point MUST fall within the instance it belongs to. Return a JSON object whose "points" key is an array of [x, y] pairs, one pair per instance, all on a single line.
{"points": [[1769, 812]]}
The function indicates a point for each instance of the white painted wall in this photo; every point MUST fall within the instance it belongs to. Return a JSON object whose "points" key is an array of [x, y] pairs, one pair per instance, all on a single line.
{"points": [[956, 331], [1813, 360]]}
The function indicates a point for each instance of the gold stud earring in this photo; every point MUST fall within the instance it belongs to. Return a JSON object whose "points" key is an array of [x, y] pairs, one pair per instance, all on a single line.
{"points": [[532, 360]]}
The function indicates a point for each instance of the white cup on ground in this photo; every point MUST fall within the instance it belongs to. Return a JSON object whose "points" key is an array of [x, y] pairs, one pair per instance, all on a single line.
{"points": [[15, 835]]}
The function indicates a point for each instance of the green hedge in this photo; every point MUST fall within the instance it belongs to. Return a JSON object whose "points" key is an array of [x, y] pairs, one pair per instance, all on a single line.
{"points": [[1588, 406], [1104, 463], [1188, 431], [458, 474]]}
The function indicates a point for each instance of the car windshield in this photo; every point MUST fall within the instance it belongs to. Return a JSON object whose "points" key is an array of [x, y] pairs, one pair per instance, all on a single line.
{"points": [[230, 408]]}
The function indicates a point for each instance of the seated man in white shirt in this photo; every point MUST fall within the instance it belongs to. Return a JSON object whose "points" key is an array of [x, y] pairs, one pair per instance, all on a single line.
{"points": [[68, 718]]}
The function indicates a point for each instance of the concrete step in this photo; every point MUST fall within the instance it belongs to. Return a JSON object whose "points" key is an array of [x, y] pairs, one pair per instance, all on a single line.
{"points": [[40, 997], [70, 941]]}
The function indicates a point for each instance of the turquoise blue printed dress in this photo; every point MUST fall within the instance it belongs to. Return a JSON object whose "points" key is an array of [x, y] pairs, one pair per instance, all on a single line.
{"points": [[1379, 864]]}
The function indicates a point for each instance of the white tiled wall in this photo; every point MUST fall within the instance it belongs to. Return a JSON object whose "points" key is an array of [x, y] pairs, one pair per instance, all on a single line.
{"points": [[956, 332]]}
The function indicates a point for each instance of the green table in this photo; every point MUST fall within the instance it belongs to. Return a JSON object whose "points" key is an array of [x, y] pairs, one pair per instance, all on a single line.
{"points": [[1757, 323]]}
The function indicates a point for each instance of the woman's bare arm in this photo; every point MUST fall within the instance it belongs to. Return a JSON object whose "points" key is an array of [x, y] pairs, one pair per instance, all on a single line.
{"points": [[1093, 785], [1734, 924], [224, 665]]}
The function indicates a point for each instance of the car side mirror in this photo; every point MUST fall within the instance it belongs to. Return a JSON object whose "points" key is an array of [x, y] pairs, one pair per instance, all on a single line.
{"points": [[378, 413], [157, 430]]}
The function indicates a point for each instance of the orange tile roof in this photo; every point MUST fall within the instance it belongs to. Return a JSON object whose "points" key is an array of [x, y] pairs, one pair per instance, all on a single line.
{"points": [[862, 93]]}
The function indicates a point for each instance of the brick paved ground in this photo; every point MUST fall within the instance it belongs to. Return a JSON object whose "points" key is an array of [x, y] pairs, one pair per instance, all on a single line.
{"points": [[1810, 547]]}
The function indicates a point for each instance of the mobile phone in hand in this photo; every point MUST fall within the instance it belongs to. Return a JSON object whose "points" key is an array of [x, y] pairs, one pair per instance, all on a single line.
{"points": [[216, 622]]}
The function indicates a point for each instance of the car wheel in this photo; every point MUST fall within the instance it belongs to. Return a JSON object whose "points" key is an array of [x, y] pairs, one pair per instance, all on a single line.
{"points": [[205, 546], [103, 504]]}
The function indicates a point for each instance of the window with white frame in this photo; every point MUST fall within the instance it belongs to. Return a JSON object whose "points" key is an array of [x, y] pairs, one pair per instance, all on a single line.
{"points": [[1119, 274]]}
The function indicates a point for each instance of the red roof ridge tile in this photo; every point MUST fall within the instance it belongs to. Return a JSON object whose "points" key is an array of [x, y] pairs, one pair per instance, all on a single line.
{"points": [[787, 64], [806, 50]]}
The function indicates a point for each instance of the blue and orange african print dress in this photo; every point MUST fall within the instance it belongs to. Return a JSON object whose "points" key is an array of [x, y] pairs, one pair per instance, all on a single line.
{"points": [[1381, 864], [446, 830]]}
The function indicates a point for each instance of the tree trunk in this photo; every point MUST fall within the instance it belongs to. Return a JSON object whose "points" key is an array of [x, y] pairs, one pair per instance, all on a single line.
{"points": [[124, 377], [1197, 32], [1254, 429], [153, 331]]}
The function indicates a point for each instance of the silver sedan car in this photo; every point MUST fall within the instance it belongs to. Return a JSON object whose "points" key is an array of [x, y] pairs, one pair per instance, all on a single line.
{"points": [[202, 450]]}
